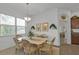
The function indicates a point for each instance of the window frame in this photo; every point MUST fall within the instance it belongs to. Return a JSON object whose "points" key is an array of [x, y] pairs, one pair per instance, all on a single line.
{"points": [[20, 26], [14, 26]]}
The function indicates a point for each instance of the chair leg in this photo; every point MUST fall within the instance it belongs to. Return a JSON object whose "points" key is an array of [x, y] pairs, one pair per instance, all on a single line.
{"points": [[15, 50], [51, 51], [24, 53], [40, 52]]}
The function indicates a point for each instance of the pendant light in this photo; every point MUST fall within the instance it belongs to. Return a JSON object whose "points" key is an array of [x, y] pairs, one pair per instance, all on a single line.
{"points": [[27, 18]]}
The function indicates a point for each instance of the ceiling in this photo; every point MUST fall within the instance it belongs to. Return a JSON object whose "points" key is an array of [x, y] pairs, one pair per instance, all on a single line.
{"points": [[20, 9]]}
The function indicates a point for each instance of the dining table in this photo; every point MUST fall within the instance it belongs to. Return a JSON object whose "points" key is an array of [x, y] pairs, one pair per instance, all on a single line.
{"points": [[38, 41]]}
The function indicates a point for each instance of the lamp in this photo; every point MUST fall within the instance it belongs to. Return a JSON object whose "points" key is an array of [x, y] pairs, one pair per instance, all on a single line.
{"points": [[63, 17], [27, 18]]}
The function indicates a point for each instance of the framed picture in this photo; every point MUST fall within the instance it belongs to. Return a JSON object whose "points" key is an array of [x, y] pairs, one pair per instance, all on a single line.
{"points": [[45, 27], [42, 27]]}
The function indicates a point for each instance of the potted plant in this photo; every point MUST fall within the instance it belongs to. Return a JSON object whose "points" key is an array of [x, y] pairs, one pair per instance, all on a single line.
{"points": [[30, 34]]}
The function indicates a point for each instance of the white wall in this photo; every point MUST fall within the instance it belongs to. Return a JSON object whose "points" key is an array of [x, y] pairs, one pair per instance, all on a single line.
{"points": [[67, 24], [6, 42], [50, 17], [75, 13]]}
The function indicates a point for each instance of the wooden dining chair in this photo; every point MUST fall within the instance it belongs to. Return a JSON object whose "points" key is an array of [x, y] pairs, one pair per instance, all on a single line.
{"points": [[18, 45], [33, 49], [47, 48], [26, 47], [29, 48]]}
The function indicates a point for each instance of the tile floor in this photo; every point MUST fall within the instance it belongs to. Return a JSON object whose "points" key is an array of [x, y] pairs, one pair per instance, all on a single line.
{"points": [[65, 50], [11, 51], [69, 49]]}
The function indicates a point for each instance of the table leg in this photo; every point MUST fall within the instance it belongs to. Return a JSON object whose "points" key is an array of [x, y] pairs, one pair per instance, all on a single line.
{"points": [[38, 49]]}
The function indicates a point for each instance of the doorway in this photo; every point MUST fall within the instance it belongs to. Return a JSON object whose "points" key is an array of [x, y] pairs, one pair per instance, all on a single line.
{"points": [[75, 30]]}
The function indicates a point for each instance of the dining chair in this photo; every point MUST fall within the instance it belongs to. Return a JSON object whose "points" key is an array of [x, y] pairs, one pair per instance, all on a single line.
{"points": [[29, 48], [47, 47], [18, 45], [26, 47]]}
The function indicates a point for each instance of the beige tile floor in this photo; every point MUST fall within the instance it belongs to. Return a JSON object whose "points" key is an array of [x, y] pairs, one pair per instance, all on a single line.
{"points": [[69, 49], [11, 51], [65, 50]]}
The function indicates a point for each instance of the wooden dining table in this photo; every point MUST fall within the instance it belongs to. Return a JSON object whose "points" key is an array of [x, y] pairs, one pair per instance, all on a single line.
{"points": [[38, 41]]}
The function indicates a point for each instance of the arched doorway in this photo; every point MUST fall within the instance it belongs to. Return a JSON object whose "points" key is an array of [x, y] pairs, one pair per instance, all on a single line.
{"points": [[75, 30]]}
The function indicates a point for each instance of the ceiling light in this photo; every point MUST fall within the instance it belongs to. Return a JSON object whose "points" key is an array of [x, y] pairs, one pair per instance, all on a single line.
{"points": [[27, 18]]}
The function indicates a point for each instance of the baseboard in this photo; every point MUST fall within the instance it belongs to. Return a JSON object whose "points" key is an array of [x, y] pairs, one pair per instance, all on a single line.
{"points": [[6, 49]]}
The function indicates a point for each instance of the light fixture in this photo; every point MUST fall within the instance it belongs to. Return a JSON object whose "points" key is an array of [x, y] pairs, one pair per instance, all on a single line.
{"points": [[64, 17], [27, 18]]}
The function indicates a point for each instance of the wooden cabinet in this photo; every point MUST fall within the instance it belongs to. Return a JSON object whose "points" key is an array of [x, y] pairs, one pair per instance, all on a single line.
{"points": [[75, 38], [75, 25]]}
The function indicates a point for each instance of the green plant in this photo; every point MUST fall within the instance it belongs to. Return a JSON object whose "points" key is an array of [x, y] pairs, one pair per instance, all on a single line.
{"points": [[53, 25], [30, 34]]}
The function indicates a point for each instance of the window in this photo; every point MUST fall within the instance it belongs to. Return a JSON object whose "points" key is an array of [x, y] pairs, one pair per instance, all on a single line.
{"points": [[20, 22], [7, 25], [7, 20], [20, 26], [7, 30], [20, 30]]}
